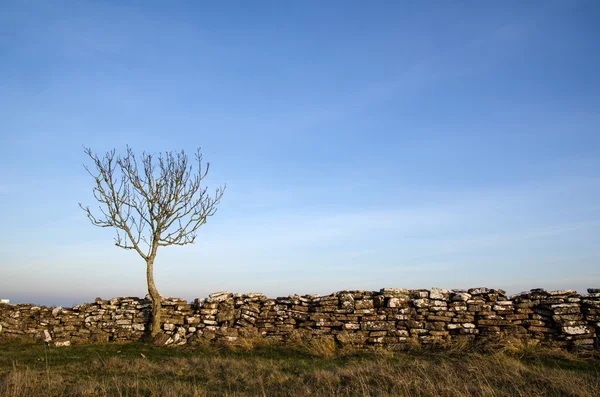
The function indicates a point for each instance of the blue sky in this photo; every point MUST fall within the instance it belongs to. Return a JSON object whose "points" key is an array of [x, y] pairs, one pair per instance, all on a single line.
{"points": [[364, 144]]}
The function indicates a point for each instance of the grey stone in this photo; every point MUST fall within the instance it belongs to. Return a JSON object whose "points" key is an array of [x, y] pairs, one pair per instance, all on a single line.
{"points": [[577, 330], [562, 292], [461, 296], [219, 296], [560, 318], [439, 293], [479, 291], [389, 292]]}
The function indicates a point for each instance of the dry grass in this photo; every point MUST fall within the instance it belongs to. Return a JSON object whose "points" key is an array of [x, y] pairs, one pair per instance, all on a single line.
{"points": [[256, 367]]}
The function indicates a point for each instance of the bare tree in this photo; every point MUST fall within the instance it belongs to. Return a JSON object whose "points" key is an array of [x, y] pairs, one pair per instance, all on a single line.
{"points": [[158, 205]]}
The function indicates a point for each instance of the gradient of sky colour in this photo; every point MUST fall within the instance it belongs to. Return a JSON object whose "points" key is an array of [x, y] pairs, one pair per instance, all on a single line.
{"points": [[364, 144]]}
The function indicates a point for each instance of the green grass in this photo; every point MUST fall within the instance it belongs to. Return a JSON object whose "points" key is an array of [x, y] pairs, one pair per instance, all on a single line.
{"points": [[264, 369]]}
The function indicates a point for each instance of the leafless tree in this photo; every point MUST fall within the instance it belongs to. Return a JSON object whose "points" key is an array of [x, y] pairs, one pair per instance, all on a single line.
{"points": [[163, 203]]}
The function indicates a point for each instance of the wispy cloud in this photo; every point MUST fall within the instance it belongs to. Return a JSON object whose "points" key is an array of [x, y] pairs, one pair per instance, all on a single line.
{"points": [[462, 223]]}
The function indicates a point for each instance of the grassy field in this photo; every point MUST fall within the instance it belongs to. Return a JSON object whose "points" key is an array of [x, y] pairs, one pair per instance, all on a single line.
{"points": [[320, 369]]}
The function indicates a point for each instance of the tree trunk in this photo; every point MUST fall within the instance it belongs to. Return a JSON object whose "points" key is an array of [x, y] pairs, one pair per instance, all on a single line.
{"points": [[156, 306]]}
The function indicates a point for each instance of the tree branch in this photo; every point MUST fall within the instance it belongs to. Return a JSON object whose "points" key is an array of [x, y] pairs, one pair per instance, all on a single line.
{"points": [[163, 205]]}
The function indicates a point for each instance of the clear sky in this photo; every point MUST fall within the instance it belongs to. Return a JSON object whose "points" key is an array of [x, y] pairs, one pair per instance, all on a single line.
{"points": [[365, 144]]}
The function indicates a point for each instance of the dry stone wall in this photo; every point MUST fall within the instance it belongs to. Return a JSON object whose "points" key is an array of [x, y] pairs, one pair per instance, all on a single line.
{"points": [[391, 317]]}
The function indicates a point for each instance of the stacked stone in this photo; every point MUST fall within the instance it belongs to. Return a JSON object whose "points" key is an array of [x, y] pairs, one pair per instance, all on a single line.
{"points": [[369, 322], [298, 317], [117, 319], [302, 316], [494, 313], [26, 320], [37, 321], [247, 309], [98, 320], [346, 322], [205, 319], [269, 313], [174, 314], [462, 325], [395, 305], [391, 317], [71, 326], [428, 320], [535, 319], [225, 316], [299, 312], [565, 308], [323, 310], [590, 306]]}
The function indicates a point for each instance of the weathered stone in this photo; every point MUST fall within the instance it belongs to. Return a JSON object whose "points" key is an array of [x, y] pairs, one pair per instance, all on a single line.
{"points": [[192, 320], [389, 317], [439, 294], [227, 315], [582, 329], [168, 327], [364, 304], [460, 296], [377, 325], [421, 302], [479, 291], [219, 296], [437, 304], [161, 339], [394, 291], [393, 302], [562, 292], [138, 327]]}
